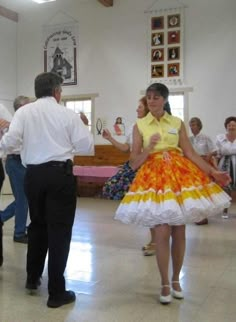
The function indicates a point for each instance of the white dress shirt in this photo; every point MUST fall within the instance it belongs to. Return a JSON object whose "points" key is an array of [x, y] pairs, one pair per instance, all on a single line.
{"points": [[202, 144], [5, 115], [224, 146], [47, 131]]}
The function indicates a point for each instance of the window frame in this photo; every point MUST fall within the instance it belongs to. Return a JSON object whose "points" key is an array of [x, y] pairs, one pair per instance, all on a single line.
{"points": [[83, 97], [184, 90]]}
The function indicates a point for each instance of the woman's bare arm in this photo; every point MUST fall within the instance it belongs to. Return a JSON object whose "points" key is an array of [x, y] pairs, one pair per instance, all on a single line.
{"points": [[124, 147]]}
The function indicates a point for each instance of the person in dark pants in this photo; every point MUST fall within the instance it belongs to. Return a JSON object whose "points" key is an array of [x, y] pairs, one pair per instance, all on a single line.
{"points": [[16, 174], [50, 134], [2, 177]]}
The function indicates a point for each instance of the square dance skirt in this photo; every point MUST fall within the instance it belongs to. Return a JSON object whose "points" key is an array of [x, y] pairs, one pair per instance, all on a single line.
{"points": [[169, 189]]}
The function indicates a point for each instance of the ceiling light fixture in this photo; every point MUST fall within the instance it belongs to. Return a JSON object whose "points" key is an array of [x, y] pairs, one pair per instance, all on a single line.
{"points": [[43, 1]]}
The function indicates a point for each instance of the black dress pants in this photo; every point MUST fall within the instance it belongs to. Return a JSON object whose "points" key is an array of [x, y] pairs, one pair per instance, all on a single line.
{"points": [[2, 177], [51, 194]]}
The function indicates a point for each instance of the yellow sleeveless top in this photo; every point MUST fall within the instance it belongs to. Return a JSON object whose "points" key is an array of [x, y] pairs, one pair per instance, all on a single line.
{"points": [[168, 127]]}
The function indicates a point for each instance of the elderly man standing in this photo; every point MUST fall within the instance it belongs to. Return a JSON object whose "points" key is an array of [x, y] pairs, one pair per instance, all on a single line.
{"points": [[49, 135], [16, 173]]}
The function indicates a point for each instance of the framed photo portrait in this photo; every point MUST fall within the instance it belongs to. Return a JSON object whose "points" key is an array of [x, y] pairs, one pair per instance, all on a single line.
{"points": [[173, 53], [173, 21], [157, 39], [157, 22], [157, 54], [157, 71], [173, 70], [173, 37]]}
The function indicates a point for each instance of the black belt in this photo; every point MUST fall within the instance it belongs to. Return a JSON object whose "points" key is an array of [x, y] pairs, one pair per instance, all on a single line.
{"points": [[60, 164], [67, 165], [14, 156]]}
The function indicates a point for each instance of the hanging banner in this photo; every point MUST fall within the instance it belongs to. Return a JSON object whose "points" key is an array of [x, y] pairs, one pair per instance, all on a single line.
{"points": [[165, 45], [60, 51]]}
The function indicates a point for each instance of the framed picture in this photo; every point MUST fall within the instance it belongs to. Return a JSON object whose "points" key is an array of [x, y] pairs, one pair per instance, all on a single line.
{"points": [[60, 51], [173, 21], [158, 39], [173, 53], [173, 70], [174, 37], [157, 54], [157, 71], [157, 22]]}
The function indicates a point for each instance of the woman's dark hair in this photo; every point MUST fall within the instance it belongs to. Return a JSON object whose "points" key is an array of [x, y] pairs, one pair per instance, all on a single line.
{"points": [[161, 89], [167, 108], [46, 83], [228, 120], [197, 121]]}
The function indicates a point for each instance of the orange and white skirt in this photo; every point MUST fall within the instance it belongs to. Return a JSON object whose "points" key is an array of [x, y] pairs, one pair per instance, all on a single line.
{"points": [[169, 189]]}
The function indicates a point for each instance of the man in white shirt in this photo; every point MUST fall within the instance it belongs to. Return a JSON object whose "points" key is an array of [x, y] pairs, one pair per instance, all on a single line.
{"points": [[49, 135], [6, 115]]}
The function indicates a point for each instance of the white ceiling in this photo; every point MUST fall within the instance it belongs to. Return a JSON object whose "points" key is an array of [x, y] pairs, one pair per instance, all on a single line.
{"points": [[21, 6]]}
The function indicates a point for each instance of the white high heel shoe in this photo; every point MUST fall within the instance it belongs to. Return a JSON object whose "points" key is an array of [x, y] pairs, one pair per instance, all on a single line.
{"points": [[177, 294], [165, 299]]}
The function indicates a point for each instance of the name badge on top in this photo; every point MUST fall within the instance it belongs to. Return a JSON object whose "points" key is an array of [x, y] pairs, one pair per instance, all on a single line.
{"points": [[173, 131]]}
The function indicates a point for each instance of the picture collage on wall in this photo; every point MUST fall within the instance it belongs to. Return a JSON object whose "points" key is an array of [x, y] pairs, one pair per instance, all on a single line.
{"points": [[166, 46]]}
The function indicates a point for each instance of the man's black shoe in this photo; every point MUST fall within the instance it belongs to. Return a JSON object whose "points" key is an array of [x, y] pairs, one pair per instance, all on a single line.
{"points": [[32, 286], [57, 301], [21, 239]]}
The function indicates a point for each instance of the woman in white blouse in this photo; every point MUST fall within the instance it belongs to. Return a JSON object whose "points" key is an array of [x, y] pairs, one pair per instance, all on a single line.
{"points": [[226, 145], [204, 146]]}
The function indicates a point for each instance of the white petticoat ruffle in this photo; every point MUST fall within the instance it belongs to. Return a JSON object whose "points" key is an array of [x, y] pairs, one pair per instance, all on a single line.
{"points": [[149, 213]]}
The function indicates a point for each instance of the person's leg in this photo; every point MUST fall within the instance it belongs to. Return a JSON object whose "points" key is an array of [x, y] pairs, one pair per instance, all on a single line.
{"points": [[8, 212], [162, 238], [37, 250], [60, 210], [2, 175], [37, 230], [177, 253], [225, 211], [16, 173], [59, 245], [1, 248], [150, 248]]}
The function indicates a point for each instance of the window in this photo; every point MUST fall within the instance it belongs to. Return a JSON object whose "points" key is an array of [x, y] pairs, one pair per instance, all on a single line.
{"points": [[177, 105], [82, 103], [179, 101]]}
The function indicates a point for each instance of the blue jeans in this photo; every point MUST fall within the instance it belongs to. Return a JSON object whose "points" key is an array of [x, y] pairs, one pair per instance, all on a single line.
{"points": [[19, 207]]}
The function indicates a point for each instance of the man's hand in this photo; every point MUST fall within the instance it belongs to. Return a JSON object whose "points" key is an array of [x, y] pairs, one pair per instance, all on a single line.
{"points": [[4, 124], [84, 118]]}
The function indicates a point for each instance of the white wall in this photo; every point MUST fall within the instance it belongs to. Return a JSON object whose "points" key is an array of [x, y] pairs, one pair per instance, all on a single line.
{"points": [[8, 56], [113, 56]]}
